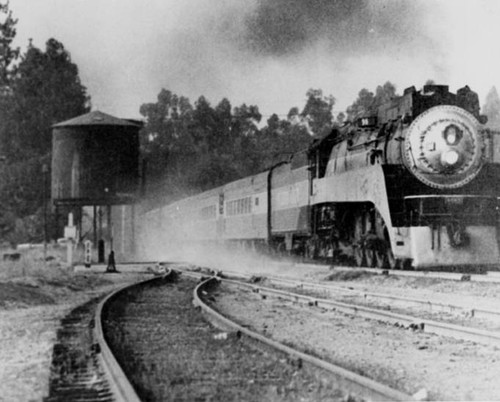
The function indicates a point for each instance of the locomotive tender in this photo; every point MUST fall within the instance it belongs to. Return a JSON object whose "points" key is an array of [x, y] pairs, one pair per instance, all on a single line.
{"points": [[414, 184]]}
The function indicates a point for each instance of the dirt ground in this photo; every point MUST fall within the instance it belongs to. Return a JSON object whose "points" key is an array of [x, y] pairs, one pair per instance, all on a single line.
{"points": [[34, 297]]}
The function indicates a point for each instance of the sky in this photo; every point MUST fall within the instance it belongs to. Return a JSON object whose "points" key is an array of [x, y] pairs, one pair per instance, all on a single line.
{"points": [[265, 52]]}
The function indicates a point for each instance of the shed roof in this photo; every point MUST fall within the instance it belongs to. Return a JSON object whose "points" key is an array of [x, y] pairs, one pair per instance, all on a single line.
{"points": [[97, 118]]}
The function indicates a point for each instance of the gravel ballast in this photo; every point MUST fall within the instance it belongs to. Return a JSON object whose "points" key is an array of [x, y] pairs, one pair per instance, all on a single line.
{"points": [[170, 352], [410, 361]]}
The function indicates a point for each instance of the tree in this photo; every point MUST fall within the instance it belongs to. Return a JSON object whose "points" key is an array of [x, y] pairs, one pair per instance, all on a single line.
{"points": [[46, 89], [270, 139], [384, 94], [43, 89], [368, 102], [245, 137], [225, 141], [7, 34], [209, 146], [318, 112], [280, 139], [361, 105], [165, 138], [22, 200], [7, 57], [491, 109], [202, 146], [341, 118]]}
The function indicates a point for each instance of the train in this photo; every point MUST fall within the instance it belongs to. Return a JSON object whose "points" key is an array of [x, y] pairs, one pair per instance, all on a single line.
{"points": [[414, 184]]}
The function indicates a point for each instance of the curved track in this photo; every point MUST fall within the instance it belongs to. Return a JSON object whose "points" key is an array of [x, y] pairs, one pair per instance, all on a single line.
{"points": [[440, 328], [349, 382], [83, 367], [400, 355], [75, 371], [358, 385], [355, 384], [120, 385]]}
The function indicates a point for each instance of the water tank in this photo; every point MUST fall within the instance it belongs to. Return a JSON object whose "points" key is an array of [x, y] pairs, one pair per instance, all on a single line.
{"points": [[95, 160]]}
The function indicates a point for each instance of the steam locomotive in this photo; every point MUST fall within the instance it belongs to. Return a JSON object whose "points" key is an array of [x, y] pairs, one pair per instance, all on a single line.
{"points": [[413, 184]]}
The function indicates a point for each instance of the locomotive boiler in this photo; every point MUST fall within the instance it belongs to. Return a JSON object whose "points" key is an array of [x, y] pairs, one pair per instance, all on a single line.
{"points": [[412, 184]]}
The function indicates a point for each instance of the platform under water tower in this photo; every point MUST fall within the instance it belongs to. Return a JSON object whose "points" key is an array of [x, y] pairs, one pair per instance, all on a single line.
{"points": [[95, 176]]}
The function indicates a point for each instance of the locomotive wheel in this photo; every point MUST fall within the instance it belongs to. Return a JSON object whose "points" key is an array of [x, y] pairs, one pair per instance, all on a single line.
{"points": [[380, 259], [370, 256], [357, 248], [359, 255], [281, 249], [391, 261], [369, 234], [384, 258]]}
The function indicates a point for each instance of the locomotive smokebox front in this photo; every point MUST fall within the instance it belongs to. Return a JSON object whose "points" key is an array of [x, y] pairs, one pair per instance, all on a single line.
{"points": [[95, 160]]}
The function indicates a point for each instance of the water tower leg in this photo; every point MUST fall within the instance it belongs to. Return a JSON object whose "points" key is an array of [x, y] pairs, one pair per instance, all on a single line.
{"points": [[132, 228], [101, 255], [110, 229], [99, 213], [94, 223]]}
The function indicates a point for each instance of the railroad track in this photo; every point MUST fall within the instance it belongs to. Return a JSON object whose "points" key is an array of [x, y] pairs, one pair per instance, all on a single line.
{"points": [[83, 367], [340, 336], [360, 386], [350, 384], [491, 338], [110, 382], [472, 312], [75, 371], [487, 277]]}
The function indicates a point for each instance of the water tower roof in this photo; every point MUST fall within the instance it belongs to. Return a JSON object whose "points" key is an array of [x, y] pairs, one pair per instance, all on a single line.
{"points": [[97, 118]]}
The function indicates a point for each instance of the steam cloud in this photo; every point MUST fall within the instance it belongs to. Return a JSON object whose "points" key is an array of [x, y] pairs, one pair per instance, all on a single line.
{"points": [[281, 27], [267, 52]]}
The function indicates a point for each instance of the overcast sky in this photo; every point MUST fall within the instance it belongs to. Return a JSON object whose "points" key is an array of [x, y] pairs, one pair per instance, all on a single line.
{"points": [[265, 52]]}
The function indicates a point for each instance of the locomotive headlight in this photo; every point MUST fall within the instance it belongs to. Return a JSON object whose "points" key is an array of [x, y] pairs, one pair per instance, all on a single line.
{"points": [[452, 134], [444, 147], [450, 158]]}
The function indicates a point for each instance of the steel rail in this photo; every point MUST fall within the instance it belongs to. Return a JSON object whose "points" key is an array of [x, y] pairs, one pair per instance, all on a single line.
{"points": [[432, 326], [473, 312], [439, 328], [354, 383], [488, 277], [120, 386]]}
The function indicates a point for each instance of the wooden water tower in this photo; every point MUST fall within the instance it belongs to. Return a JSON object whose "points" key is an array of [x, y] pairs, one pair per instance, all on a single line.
{"points": [[95, 163]]}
